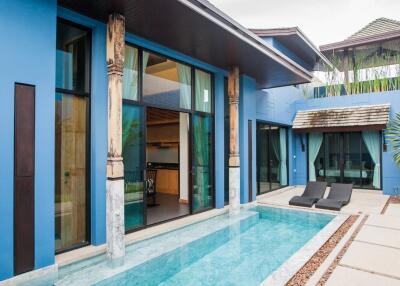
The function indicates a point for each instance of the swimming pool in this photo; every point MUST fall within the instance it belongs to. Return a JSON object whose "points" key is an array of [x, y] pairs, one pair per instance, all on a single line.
{"points": [[240, 250]]}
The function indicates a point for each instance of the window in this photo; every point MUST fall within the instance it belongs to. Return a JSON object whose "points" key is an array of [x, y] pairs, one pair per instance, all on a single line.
{"points": [[72, 136], [351, 157], [203, 91], [166, 83], [130, 81]]}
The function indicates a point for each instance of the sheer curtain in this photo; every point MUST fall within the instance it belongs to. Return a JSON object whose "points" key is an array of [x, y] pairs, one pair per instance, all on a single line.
{"points": [[372, 141], [130, 79], [314, 144], [203, 91], [184, 75], [282, 163]]}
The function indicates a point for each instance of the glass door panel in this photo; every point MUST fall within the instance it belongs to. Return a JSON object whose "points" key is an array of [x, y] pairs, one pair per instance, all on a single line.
{"points": [[332, 158], [263, 185], [133, 152], [202, 163], [351, 157], [71, 171], [275, 158]]}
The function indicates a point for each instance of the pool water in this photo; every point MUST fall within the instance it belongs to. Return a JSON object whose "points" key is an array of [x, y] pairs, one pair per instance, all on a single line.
{"points": [[241, 250]]}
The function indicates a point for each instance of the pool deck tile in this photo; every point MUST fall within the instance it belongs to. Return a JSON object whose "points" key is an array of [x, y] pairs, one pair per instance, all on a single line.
{"points": [[387, 221], [393, 209], [379, 235], [373, 258], [344, 276]]}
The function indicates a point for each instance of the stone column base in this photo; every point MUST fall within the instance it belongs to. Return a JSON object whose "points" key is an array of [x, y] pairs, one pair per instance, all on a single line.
{"points": [[234, 190], [115, 222]]}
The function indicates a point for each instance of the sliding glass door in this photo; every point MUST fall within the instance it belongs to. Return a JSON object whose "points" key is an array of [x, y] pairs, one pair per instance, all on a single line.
{"points": [[133, 152], [272, 172], [351, 157]]}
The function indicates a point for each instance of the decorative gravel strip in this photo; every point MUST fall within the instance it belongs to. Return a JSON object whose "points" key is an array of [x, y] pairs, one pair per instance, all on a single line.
{"points": [[304, 274], [391, 200], [331, 268]]}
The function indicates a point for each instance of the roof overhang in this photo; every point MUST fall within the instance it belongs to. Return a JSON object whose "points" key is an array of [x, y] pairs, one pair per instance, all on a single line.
{"points": [[295, 40], [198, 29], [355, 118], [351, 43]]}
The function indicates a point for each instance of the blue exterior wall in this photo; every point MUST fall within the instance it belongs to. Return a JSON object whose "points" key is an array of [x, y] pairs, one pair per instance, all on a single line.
{"points": [[28, 50]]}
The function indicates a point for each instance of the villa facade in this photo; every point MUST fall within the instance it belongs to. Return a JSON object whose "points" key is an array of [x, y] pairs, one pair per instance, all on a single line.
{"points": [[133, 113]]}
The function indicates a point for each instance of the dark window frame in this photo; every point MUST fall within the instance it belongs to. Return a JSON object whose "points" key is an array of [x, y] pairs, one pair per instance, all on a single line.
{"points": [[341, 139], [87, 96], [271, 124], [192, 111]]}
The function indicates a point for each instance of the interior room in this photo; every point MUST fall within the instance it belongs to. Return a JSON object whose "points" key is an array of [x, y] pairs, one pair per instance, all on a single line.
{"points": [[167, 164]]}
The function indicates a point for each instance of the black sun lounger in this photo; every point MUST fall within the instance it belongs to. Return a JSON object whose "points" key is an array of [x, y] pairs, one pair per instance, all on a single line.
{"points": [[338, 197], [313, 192]]}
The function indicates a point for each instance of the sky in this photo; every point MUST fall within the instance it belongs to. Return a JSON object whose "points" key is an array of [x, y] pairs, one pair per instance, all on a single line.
{"points": [[323, 21]]}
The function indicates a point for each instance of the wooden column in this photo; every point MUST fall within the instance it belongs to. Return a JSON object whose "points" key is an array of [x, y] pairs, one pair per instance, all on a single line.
{"points": [[115, 166], [234, 161]]}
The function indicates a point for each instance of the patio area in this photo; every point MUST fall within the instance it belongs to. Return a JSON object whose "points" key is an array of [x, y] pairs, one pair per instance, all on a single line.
{"points": [[368, 254]]}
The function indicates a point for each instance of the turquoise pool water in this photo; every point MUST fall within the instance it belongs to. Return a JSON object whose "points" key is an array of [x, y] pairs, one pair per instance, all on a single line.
{"points": [[243, 250]]}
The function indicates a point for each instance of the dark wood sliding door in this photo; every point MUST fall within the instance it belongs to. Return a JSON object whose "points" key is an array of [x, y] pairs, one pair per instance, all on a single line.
{"points": [[24, 172]]}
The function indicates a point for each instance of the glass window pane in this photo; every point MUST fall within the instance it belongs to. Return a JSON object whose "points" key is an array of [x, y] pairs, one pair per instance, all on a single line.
{"points": [[72, 58], [203, 91], [351, 156], [71, 179], [203, 171], [263, 181], [130, 81], [133, 154], [166, 83]]}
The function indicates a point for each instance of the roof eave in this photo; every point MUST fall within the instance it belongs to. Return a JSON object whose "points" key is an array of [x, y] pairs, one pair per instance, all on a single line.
{"points": [[246, 35]]}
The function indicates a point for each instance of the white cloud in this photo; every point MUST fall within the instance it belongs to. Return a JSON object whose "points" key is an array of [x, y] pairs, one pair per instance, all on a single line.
{"points": [[323, 21]]}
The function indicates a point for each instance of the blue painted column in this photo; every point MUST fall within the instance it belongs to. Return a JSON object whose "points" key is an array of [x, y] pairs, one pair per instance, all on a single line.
{"points": [[219, 140]]}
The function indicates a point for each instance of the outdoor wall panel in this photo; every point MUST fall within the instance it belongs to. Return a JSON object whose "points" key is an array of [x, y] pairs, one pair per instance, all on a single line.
{"points": [[24, 198]]}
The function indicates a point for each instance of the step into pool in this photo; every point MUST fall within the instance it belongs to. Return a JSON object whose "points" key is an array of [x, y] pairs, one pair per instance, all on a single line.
{"points": [[240, 250]]}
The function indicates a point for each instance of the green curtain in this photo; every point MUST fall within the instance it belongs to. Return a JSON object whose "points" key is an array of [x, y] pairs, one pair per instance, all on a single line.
{"points": [[202, 172], [130, 79], [275, 147], [184, 75], [372, 141], [282, 162], [202, 91], [314, 144]]}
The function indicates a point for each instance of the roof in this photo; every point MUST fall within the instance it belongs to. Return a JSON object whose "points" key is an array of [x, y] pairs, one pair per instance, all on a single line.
{"points": [[381, 29], [198, 29], [294, 39], [355, 118], [376, 27]]}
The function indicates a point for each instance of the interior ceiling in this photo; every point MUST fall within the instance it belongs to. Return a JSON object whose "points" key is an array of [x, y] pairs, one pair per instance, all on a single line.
{"points": [[177, 26], [159, 116]]}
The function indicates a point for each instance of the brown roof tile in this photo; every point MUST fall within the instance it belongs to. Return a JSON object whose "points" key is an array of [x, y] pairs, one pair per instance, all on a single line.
{"points": [[346, 117]]}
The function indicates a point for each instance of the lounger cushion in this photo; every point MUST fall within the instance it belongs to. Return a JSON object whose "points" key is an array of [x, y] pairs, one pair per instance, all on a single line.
{"points": [[330, 204], [302, 201]]}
